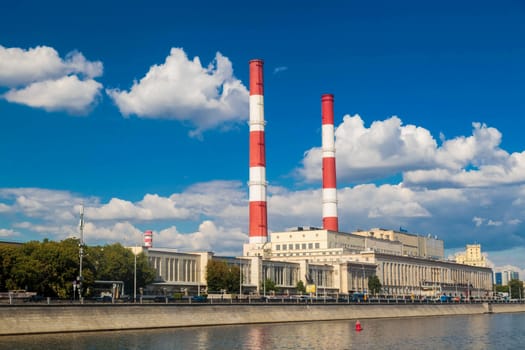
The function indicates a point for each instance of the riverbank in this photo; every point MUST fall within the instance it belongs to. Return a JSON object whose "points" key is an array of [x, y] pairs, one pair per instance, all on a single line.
{"points": [[18, 320]]}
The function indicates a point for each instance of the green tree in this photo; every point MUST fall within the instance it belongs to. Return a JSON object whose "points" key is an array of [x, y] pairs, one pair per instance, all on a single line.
{"points": [[8, 258], [268, 285], [374, 286], [516, 289], [46, 267], [220, 275], [117, 263], [49, 268], [300, 287], [501, 289]]}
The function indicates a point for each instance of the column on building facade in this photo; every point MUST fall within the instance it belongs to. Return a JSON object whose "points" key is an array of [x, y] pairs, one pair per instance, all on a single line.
{"points": [[394, 274], [389, 275]]}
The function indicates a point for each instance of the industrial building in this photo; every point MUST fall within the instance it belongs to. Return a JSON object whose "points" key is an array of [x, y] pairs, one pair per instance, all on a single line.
{"points": [[333, 261]]}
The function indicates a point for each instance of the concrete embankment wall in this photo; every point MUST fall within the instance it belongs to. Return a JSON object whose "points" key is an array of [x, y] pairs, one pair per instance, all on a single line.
{"points": [[82, 318]]}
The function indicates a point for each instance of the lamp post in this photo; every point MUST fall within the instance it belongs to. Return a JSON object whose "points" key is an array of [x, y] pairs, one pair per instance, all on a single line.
{"points": [[264, 281], [135, 276], [363, 280], [199, 280], [240, 279], [263, 270]]}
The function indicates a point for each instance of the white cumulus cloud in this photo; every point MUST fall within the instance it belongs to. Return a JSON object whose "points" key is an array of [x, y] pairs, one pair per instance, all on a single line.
{"points": [[208, 237], [151, 207], [67, 93], [39, 78], [385, 148], [184, 90], [22, 67], [388, 148], [8, 233], [4, 208]]}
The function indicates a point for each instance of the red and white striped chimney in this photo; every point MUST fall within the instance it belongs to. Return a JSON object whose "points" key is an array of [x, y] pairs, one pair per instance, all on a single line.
{"points": [[148, 239], [330, 220], [257, 183]]}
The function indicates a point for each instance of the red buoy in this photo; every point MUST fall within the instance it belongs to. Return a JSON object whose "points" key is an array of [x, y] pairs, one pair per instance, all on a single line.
{"points": [[358, 327]]}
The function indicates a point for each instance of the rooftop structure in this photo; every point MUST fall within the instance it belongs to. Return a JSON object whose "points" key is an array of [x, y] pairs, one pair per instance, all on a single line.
{"points": [[472, 256]]}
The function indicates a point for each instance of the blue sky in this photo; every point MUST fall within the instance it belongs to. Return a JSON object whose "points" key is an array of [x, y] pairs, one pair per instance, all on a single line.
{"points": [[139, 110]]}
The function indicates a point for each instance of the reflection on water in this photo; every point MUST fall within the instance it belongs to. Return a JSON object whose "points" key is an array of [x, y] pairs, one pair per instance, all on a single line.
{"points": [[502, 331]]}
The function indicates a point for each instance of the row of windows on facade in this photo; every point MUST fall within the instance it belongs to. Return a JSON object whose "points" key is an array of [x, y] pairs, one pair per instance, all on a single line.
{"points": [[309, 253], [298, 246]]}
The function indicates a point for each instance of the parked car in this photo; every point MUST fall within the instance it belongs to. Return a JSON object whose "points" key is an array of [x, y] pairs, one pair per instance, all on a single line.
{"points": [[199, 299], [359, 297], [36, 298], [163, 299]]}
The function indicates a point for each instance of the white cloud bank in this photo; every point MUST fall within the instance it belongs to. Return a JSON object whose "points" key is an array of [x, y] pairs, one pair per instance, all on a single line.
{"points": [[388, 148], [385, 148], [39, 78], [184, 90], [216, 208], [218, 215]]}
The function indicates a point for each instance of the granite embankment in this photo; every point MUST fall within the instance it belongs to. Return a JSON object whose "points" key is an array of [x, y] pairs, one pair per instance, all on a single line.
{"points": [[84, 318]]}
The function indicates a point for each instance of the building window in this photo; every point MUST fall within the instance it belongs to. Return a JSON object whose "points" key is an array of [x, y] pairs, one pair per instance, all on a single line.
{"points": [[304, 246], [277, 247], [297, 246], [317, 246], [284, 246], [290, 246], [310, 245]]}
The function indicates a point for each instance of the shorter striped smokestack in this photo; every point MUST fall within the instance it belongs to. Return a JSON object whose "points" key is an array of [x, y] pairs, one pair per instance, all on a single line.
{"points": [[148, 239], [330, 220]]}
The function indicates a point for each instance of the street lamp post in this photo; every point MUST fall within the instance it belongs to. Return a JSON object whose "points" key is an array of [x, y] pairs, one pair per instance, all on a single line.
{"points": [[135, 277], [199, 280], [264, 272], [363, 280], [240, 279], [264, 281]]}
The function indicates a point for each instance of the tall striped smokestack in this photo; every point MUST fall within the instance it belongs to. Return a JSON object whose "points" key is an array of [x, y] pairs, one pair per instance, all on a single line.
{"points": [[330, 220], [257, 184]]}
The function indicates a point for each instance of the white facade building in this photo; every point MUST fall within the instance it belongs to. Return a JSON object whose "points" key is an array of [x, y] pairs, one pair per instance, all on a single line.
{"points": [[342, 263], [336, 262]]}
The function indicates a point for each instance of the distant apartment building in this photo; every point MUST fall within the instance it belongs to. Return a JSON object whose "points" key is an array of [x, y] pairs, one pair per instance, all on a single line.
{"points": [[503, 277], [472, 256]]}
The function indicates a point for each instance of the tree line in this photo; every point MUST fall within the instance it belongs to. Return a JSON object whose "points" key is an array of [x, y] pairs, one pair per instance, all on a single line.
{"points": [[50, 268]]}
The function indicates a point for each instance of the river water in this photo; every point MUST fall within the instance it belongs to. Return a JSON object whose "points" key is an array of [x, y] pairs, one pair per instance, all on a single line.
{"points": [[497, 331]]}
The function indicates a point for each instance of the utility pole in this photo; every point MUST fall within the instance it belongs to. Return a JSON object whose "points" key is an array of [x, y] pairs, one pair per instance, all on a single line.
{"points": [[81, 252]]}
